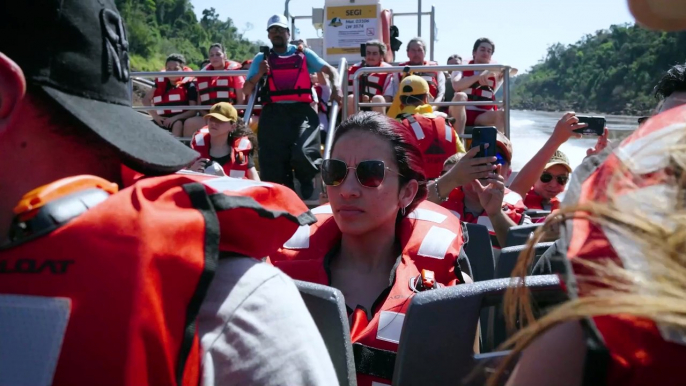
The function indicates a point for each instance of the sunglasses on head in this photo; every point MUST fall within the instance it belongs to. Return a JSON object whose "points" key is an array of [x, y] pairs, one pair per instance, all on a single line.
{"points": [[369, 173], [547, 177]]}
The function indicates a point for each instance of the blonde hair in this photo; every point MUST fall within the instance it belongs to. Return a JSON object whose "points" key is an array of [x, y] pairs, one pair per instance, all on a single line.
{"points": [[656, 291]]}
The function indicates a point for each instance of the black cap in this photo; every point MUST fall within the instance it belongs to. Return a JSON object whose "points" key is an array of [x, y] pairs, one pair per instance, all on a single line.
{"points": [[77, 51]]}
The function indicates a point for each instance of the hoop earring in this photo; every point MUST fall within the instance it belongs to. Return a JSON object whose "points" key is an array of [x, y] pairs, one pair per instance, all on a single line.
{"points": [[402, 211]]}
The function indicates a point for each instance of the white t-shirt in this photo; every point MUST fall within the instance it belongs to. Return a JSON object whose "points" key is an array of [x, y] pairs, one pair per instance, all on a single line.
{"points": [[255, 330]]}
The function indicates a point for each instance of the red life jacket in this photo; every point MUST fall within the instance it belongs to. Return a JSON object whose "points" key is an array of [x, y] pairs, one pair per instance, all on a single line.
{"points": [[215, 89], [436, 140], [121, 283], [289, 78], [241, 147], [512, 205], [176, 96], [533, 200], [430, 77], [371, 84], [635, 351], [477, 92], [431, 239]]}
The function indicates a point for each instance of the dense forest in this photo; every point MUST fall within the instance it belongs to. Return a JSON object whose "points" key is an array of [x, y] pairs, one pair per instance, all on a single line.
{"points": [[612, 71], [157, 28]]}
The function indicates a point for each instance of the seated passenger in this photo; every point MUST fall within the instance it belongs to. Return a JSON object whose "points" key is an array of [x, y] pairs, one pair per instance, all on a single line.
{"points": [[172, 91], [215, 89], [449, 91], [227, 142], [478, 86], [488, 202], [553, 179], [437, 139], [375, 87], [416, 52], [375, 237]]}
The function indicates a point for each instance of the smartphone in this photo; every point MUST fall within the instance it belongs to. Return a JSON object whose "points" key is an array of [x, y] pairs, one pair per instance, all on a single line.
{"points": [[363, 50], [482, 135], [265, 51], [596, 125]]}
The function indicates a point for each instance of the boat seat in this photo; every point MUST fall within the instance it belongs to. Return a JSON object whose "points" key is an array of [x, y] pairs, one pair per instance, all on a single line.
{"points": [[436, 342], [480, 252], [327, 307], [537, 213], [519, 234]]}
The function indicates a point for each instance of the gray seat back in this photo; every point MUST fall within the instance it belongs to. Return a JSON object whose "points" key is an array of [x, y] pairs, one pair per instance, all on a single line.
{"points": [[437, 338], [327, 307], [537, 213], [480, 253], [519, 234]]}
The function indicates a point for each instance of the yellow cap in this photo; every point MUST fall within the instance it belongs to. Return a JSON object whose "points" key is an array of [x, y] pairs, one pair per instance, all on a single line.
{"points": [[223, 111], [413, 85]]}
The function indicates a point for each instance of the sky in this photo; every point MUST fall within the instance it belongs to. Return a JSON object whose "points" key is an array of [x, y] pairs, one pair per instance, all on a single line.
{"points": [[522, 30]]}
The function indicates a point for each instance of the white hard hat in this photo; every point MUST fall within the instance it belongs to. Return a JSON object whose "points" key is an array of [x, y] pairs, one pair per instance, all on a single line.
{"points": [[278, 20]]}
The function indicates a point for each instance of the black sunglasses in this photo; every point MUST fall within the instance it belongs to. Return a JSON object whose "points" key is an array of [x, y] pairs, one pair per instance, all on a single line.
{"points": [[547, 177], [369, 173]]}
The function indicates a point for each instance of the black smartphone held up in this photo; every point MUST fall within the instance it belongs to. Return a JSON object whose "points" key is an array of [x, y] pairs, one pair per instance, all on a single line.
{"points": [[363, 50], [482, 135], [265, 51], [596, 125]]}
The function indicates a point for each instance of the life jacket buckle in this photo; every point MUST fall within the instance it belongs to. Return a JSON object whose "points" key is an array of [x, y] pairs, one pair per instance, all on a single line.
{"points": [[426, 280]]}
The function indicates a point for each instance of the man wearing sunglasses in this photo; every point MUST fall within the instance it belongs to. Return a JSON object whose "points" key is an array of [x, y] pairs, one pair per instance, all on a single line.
{"points": [[543, 195], [437, 138], [487, 201]]}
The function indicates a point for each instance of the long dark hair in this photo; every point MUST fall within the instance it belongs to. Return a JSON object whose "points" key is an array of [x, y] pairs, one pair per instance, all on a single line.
{"points": [[242, 130], [406, 151]]}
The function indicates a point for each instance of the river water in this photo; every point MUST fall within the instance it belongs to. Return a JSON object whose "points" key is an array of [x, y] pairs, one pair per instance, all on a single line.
{"points": [[530, 129]]}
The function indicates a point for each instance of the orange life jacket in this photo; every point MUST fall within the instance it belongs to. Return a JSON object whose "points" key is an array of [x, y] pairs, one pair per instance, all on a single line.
{"points": [[215, 89], [121, 283], [512, 205], [289, 78], [436, 140], [370, 84], [430, 77], [431, 239], [533, 200], [176, 96], [241, 147], [480, 93], [628, 351]]}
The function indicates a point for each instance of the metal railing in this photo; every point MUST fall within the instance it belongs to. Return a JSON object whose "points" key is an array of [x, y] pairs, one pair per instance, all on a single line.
{"points": [[505, 103], [419, 14], [333, 113]]}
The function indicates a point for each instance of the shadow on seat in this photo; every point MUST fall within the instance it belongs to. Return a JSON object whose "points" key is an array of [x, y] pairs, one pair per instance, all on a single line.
{"points": [[436, 343], [327, 307], [519, 234], [480, 253]]}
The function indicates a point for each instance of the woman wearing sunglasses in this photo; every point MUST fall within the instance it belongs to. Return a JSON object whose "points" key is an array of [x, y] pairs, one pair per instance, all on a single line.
{"points": [[225, 145], [378, 241]]}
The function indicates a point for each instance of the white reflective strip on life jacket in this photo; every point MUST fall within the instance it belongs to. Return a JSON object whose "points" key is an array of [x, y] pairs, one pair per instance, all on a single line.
{"points": [[157, 99], [324, 209], [200, 139], [204, 97], [160, 79], [222, 82], [648, 154], [236, 173], [512, 198], [390, 326], [300, 239], [416, 127], [448, 133], [484, 220], [427, 215], [222, 94], [203, 85], [174, 98], [33, 329], [456, 213], [222, 184], [175, 111], [244, 144], [427, 78], [436, 243], [486, 94]]}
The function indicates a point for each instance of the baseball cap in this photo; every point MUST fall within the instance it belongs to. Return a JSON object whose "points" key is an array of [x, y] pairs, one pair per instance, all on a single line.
{"points": [[277, 20], [83, 65], [505, 146], [223, 111], [660, 14], [413, 85], [559, 158]]}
